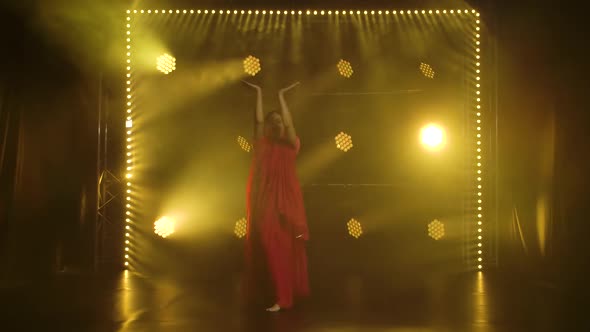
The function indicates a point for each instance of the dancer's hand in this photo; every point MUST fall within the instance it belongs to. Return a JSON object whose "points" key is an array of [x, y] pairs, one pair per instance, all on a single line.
{"points": [[288, 88], [258, 88], [299, 236]]}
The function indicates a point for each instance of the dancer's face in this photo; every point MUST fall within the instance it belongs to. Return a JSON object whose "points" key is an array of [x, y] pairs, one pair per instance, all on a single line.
{"points": [[274, 126]]}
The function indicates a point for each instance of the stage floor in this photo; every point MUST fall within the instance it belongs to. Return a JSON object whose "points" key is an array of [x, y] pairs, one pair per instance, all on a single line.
{"points": [[129, 302]]}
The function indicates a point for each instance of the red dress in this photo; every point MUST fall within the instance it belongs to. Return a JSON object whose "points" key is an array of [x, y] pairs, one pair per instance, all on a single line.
{"points": [[276, 216]]}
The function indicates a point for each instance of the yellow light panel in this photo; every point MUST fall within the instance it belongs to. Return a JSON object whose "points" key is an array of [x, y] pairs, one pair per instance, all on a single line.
{"points": [[166, 63], [426, 70], [243, 143], [436, 229], [164, 226], [343, 142], [354, 228], [240, 228], [252, 65], [345, 68]]}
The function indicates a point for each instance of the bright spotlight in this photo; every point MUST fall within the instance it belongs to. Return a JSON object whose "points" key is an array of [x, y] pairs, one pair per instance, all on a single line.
{"points": [[164, 226], [343, 142], [243, 143], [240, 228], [252, 65], [354, 228], [427, 70], [166, 63], [345, 68], [432, 136], [436, 229]]}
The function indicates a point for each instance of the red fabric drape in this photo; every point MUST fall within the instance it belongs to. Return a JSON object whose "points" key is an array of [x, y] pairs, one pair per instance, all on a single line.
{"points": [[276, 217]]}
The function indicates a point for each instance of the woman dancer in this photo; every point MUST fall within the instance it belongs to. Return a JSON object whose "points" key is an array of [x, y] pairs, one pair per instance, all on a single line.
{"points": [[277, 224]]}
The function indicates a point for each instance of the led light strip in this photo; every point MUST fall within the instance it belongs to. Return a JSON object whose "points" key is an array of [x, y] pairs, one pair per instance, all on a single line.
{"points": [[301, 12], [129, 144], [129, 120], [478, 137]]}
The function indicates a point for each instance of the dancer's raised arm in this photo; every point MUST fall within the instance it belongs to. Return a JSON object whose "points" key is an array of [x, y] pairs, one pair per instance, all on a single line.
{"points": [[290, 133], [258, 113]]}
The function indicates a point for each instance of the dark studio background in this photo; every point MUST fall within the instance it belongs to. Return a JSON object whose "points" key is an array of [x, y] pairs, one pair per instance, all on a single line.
{"points": [[48, 113]]}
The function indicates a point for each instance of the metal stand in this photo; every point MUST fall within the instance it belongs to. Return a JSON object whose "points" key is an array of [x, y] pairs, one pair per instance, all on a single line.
{"points": [[108, 228]]}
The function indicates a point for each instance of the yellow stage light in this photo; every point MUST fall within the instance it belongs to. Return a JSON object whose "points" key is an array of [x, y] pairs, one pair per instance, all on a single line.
{"points": [[343, 142], [252, 65], [166, 63], [164, 226], [345, 68], [354, 228], [427, 70], [243, 143], [436, 229], [240, 228], [432, 136]]}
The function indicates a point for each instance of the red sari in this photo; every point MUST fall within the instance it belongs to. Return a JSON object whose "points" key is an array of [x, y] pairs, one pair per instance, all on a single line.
{"points": [[276, 217]]}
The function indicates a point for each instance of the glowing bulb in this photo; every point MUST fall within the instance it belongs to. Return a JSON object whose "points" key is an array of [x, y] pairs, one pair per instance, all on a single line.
{"points": [[432, 136]]}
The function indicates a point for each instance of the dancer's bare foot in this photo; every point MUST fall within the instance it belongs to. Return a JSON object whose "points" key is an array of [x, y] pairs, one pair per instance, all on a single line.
{"points": [[274, 308]]}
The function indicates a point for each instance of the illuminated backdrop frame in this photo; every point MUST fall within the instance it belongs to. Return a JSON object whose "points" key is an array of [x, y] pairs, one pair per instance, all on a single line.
{"points": [[475, 104]]}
